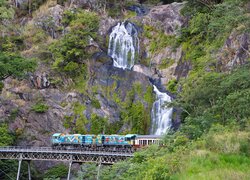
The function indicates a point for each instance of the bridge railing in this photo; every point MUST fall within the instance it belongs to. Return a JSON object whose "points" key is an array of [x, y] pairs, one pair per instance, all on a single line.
{"points": [[50, 150]]}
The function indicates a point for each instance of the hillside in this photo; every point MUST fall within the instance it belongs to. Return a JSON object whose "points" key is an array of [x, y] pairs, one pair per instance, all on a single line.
{"points": [[120, 67]]}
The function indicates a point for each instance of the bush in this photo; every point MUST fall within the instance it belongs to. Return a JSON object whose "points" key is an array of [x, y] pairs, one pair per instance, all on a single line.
{"points": [[6, 137], [59, 171], [71, 51], [15, 66], [98, 124], [40, 108], [95, 103], [172, 86], [1, 86]]}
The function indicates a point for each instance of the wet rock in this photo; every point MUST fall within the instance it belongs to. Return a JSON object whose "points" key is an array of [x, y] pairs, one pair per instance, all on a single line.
{"points": [[139, 9], [142, 69], [109, 81]]}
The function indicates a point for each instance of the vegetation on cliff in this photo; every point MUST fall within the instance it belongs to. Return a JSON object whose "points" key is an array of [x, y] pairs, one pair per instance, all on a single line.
{"points": [[213, 140]]}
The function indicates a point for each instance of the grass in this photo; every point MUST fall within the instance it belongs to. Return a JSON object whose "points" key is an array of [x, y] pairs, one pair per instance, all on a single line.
{"points": [[215, 166]]}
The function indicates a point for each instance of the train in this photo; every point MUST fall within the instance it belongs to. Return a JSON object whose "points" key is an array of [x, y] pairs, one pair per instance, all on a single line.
{"points": [[102, 142]]}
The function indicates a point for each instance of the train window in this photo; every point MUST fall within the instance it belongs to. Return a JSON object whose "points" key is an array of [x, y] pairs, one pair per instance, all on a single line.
{"points": [[149, 142], [140, 142], [144, 142]]}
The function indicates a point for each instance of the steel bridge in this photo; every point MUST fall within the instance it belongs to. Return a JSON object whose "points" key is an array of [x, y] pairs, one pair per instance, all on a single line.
{"points": [[70, 156]]}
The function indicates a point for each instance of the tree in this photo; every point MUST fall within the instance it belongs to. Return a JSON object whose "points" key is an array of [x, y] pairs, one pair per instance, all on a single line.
{"points": [[71, 51], [6, 14], [14, 65]]}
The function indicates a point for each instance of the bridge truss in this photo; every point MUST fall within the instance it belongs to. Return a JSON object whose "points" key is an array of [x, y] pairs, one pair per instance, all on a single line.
{"points": [[49, 154]]}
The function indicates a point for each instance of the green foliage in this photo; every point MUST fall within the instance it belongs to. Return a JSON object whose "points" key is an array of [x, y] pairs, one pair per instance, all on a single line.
{"points": [[138, 118], [172, 86], [88, 171], [71, 51], [34, 35], [59, 171], [1, 86], [135, 113], [6, 11], [215, 98], [98, 124], [14, 65], [95, 103], [77, 121], [165, 63], [208, 30], [40, 107], [149, 96], [6, 137], [217, 154], [158, 38]]}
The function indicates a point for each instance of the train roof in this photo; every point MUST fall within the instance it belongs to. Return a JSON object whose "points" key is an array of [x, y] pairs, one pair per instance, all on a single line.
{"points": [[130, 135], [149, 136], [57, 134]]}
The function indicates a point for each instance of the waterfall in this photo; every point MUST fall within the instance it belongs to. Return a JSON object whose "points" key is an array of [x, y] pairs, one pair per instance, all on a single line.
{"points": [[161, 116], [123, 45]]}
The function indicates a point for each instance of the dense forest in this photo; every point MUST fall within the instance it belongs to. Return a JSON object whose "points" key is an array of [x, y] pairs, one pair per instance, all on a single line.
{"points": [[56, 75]]}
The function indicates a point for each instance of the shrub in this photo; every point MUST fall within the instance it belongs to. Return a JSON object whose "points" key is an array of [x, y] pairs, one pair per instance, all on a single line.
{"points": [[71, 51], [59, 171], [1, 86], [172, 86], [95, 103], [40, 108], [14, 65]]}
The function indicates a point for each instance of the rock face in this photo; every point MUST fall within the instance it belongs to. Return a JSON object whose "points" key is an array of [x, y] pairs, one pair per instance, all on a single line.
{"points": [[50, 20], [143, 69], [167, 17], [110, 82], [235, 51], [40, 81]]}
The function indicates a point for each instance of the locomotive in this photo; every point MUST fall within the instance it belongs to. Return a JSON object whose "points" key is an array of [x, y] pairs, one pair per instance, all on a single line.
{"points": [[102, 142]]}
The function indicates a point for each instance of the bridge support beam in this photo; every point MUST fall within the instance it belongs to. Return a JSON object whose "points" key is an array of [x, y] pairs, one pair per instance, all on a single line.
{"points": [[29, 173], [99, 167], [70, 164], [19, 169]]}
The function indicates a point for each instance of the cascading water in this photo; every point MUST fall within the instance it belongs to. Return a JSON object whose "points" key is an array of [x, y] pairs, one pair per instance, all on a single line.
{"points": [[161, 116], [123, 48], [123, 45]]}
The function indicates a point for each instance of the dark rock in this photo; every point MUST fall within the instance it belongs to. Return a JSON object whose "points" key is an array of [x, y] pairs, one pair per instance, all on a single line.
{"points": [[139, 9], [182, 69]]}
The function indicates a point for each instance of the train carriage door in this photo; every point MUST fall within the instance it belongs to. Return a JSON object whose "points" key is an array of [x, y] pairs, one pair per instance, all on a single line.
{"points": [[103, 139], [83, 139]]}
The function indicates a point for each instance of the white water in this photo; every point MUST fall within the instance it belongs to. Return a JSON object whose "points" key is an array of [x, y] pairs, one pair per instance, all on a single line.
{"points": [[161, 116], [123, 45]]}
